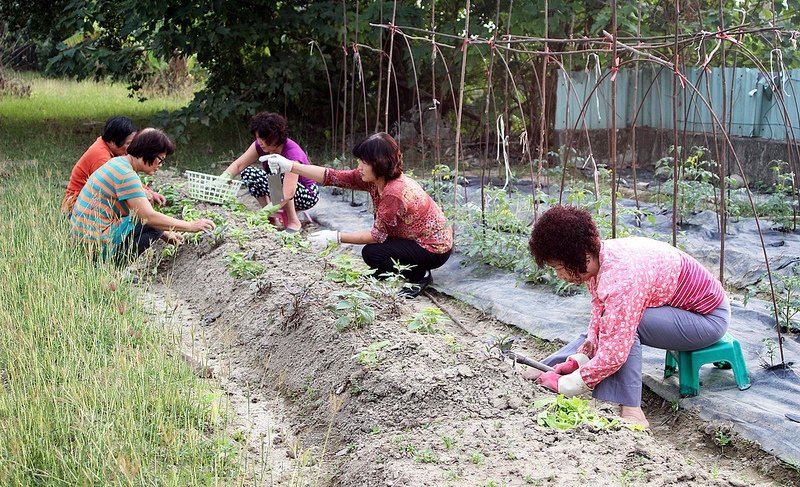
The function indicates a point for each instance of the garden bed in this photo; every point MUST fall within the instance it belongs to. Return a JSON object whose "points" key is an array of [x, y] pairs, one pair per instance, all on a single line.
{"points": [[379, 404]]}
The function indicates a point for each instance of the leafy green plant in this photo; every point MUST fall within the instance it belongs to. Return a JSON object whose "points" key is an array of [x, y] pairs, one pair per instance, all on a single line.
{"points": [[345, 270], [238, 236], [426, 321], [722, 438], [263, 217], [353, 310], [387, 286], [169, 251], [241, 268], [788, 301], [215, 217], [477, 458], [779, 205], [562, 413], [770, 349], [696, 181], [447, 442], [452, 345], [369, 356], [426, 456], [294, 242]]}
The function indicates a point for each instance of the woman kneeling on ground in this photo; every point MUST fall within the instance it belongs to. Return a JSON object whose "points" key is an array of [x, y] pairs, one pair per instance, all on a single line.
{"points": [[299, 193], [409, 226], [112, 215], [644, 292]]}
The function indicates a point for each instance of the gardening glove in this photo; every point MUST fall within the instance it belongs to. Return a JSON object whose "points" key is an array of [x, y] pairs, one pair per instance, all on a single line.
{"points": [[549, 380], [571, 365], [277, 163], [569, 385], [321, 239], [224, 178]]}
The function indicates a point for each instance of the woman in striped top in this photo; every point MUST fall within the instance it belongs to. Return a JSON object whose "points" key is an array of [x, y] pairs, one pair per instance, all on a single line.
{"points": [[112, 216], [644, 292]]}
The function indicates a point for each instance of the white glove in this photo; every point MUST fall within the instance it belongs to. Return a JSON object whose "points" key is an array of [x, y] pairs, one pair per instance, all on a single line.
{"points": [[221, 181], [321, 239], [277, 163]]}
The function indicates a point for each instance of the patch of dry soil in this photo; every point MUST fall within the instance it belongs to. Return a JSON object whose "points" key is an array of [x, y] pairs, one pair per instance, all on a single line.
{"points": [[435, 410]]}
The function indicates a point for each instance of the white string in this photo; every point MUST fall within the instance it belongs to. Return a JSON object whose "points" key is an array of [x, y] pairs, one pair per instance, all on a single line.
{"points": [[597, 74], [502, 141]]}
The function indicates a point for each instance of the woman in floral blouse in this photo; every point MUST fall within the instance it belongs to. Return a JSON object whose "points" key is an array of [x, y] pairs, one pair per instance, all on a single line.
{"points": [[409, 226], [644, 292]]}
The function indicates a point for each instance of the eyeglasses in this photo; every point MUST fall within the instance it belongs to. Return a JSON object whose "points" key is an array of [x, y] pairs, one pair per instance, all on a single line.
{"points": [[160, 159]]}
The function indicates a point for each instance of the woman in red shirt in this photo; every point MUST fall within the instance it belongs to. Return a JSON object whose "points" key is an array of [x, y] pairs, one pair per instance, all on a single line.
{"points": [[409, 226]]}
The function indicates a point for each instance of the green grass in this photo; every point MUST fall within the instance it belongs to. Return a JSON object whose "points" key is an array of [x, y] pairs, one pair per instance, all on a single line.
{"points": [[90, 392], [63, 117]]}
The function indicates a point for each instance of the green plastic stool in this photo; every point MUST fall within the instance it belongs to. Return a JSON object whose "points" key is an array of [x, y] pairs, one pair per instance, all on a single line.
{"points": [[725, 354]]}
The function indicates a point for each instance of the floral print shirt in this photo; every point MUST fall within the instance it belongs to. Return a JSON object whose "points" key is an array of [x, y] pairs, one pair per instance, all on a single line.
{"points": [[638, 273], [403, 210]]}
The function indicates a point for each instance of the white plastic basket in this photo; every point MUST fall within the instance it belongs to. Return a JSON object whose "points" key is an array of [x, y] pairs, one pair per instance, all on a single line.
{"points": [[207, 187]]}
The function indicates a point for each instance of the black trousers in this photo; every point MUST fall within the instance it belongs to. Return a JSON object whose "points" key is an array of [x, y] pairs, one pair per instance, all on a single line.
{"points": [[139, 240], [408, 252]]}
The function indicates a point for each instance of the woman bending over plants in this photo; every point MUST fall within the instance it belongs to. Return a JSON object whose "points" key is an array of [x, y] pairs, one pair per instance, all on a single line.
{"points": [[112, 215], [409, 226], [644, 292], [299, 192]]}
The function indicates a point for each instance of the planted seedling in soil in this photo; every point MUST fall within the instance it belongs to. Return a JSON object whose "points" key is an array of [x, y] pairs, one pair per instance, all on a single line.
{"points": [[426, 321], [353, 310], [238, 236], [241, 268], [388, 285], [294, 242], [263, 218], [369, 357], [344, 271]]}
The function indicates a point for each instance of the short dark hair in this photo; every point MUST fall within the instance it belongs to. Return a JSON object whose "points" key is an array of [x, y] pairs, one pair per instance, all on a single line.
{"points": [[149, 144], [382, 153], [117, 129], [565, 234], [269, 126]]}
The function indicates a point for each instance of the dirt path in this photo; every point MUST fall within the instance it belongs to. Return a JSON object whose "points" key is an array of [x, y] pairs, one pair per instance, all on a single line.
{"points": [[431, 409]]}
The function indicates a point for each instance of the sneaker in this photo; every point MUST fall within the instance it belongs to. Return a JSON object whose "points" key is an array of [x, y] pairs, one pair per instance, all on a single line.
{"points": [[416, 288]]}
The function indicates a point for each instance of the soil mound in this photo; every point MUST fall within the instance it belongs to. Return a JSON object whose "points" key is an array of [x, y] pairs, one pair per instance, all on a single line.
{"points": [[427, 408]]}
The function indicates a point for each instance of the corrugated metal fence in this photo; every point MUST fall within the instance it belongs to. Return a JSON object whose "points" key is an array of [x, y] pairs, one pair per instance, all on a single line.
{"points": [[753, 108]]}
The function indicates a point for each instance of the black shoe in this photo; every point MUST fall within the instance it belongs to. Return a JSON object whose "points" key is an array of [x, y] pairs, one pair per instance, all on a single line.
{"points": [[414, 289]]}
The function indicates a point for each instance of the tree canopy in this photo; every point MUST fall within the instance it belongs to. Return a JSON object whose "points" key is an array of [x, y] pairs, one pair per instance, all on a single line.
{"points": [[312, 57]]}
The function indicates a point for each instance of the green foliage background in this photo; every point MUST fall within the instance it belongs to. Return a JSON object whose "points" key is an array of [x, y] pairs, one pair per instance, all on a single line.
{"points": [[279, 55]]}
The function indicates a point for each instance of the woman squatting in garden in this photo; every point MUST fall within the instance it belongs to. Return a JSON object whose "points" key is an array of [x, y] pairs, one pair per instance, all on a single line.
{"points": [[112, 215], [409, 227], [118, 132], [644, 292], [300, 193]]}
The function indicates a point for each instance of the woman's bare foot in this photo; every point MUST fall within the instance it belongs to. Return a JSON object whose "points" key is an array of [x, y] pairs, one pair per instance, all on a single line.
{"points": [[530, 373], [634, 415]]}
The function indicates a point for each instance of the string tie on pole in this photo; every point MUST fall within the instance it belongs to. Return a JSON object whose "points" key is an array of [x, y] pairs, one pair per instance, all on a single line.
{"points": [[614, 69]]}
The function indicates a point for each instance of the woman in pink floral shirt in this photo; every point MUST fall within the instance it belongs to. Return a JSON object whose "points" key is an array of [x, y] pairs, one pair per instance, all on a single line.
{"points": [[644, 292], [409, 226]]}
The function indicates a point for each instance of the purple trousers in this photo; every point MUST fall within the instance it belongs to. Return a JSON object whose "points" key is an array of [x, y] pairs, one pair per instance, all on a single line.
{"points": [[664, 327]]}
